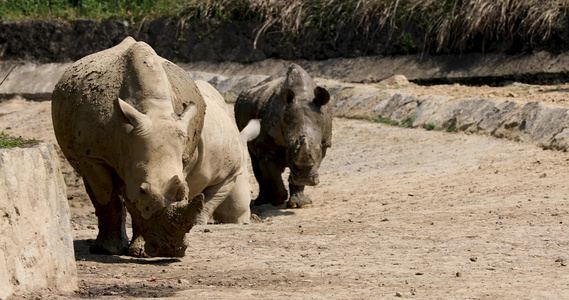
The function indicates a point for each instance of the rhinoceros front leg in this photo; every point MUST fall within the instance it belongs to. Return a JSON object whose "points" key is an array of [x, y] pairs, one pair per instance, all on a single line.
{"points": [[268, 170], [297, 197], [109, 209]]}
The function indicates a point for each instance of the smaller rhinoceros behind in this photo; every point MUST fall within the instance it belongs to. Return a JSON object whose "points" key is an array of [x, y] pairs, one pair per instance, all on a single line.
{"points": [[296, 131]]}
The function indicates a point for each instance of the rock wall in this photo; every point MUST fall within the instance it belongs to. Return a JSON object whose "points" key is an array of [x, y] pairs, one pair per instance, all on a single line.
{"points": [[533, 122], [36, 244]]}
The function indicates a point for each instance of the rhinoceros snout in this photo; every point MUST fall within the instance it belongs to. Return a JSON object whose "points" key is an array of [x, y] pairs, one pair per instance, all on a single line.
{"points": [[163, 235], [306, 153], [304, 177]]}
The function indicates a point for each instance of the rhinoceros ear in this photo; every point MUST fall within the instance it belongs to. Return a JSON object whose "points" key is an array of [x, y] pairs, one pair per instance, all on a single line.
{"points": [[321, 96], [287, 95], [189, 113], [135, 117]]}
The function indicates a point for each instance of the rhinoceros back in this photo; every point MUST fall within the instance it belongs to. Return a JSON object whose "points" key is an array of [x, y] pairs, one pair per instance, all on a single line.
{"points": [[253, 103], [83, 115]]}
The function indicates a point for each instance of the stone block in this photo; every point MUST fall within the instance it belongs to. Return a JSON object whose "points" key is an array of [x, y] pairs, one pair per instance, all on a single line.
{"points": [[36, 244]]}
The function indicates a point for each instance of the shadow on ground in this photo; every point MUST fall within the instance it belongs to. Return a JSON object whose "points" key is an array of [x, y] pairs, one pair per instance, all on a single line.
{"points": [[82, 254]]}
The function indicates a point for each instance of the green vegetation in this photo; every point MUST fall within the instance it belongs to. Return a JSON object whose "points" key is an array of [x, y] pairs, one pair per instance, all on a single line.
{"points": [[386, 121], [74, 9], [7, 141], [429, 126], [444, 24], [406, 123]]}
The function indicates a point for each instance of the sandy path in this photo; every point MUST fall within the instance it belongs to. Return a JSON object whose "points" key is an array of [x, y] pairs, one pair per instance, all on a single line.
{"points": [[399, 212]]}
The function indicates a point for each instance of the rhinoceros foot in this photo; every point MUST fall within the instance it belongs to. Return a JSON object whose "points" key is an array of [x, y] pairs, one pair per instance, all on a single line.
{"points": [[274, 200], [108, 246], [298, 201], [297, 197]]}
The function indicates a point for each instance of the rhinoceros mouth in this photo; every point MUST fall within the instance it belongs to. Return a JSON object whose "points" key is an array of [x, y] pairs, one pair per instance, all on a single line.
{"points": [[164, 234], [158, 247], [157, 239], [304, 177]]}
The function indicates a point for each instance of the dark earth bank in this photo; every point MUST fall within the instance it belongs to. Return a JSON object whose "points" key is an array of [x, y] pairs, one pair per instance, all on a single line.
{"points": [[378, 55]]}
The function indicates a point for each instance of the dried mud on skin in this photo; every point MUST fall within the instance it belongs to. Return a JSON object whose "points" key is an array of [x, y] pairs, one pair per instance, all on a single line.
{"points": [[399, 212]]}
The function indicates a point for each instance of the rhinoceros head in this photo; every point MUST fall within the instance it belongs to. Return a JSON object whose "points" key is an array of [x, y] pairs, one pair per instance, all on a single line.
{"points": [[152, 159], [155, 188], [307, 125]]}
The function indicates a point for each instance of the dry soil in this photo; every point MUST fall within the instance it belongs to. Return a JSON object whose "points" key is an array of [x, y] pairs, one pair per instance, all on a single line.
{"points": [[399, 212]]}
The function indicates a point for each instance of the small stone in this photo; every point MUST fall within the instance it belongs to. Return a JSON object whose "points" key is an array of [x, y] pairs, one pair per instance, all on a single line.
{"points": [[398, 294], [561, 261], [458, 274], [474, 259], [395, 80], [206, 230]]}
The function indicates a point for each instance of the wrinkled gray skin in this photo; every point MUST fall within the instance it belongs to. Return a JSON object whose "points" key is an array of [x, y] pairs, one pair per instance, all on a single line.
{"points": [[129, 122], [296, 131]]}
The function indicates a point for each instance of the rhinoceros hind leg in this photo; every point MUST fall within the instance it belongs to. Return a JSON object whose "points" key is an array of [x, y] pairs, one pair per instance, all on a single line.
{"points": [[261, 199], [236, 207], [297, 197], [112, 238], [215, 195]]}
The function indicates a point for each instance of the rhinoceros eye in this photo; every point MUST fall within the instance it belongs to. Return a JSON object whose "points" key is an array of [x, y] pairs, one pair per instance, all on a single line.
{"points": [[144, 188]]}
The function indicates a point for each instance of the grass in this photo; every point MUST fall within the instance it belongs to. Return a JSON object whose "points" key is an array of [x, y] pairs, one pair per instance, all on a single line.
{"points": [[420, 25], [429, 126], [7, 141], [405, 123], [386, 121]]}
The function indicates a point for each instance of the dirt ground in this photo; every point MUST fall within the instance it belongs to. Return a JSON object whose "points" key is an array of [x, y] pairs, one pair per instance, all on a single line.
{"points": [[399, 212]]}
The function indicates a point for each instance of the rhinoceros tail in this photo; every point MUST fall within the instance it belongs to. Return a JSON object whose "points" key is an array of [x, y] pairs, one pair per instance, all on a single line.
{"points": [[251, 131]]}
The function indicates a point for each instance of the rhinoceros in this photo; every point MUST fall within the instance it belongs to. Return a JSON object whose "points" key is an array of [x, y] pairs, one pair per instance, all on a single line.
{"points": [[296, 131], [134, 125]]}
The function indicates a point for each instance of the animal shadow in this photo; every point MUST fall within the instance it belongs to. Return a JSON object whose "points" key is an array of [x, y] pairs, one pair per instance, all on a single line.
{"points": [[82, 254]]}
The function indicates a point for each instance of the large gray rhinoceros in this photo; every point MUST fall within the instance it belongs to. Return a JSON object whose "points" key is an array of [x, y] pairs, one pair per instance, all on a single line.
{"points": [[296, 130], [133, 125]]}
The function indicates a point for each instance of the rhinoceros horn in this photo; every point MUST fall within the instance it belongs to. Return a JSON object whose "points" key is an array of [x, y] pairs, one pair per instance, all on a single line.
{"points": [[180, 216]]}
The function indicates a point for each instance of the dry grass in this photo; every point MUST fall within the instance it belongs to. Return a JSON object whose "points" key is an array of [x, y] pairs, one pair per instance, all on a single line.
{"points": [[436, 25], [446, 24]]}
